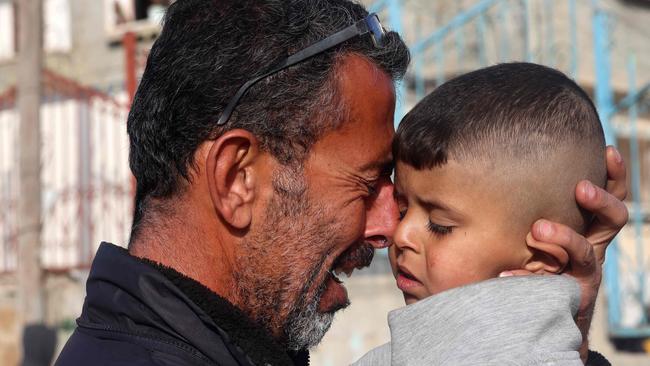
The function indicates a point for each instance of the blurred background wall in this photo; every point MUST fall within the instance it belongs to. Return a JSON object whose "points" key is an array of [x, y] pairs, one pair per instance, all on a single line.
{"points": [[95, 51]]}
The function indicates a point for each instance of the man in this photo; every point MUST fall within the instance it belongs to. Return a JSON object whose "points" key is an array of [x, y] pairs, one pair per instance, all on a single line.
{"points": [[260, 141]]}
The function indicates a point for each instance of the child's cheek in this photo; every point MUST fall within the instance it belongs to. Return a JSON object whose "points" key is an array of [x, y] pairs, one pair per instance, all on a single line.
{"points": [[392, 258]]}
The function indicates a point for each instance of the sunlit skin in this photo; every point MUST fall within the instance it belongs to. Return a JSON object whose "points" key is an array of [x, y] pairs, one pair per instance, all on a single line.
{"points": [[457, 228], [349, 168], [346, 173]]}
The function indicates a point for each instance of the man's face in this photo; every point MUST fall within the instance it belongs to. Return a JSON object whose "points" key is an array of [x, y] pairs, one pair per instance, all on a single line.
{"points": [[458, 227], [348, 167], [324, 219]]}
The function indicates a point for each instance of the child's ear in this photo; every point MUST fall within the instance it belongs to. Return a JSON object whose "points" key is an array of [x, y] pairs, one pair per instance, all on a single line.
{"points": [[545, 258]]}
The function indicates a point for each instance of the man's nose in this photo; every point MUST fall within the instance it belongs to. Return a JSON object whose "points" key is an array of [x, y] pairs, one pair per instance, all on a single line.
{"points": [[382, 216]]}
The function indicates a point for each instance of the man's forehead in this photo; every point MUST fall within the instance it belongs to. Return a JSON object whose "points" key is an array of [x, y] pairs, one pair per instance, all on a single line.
{"points": [[363, 140]]}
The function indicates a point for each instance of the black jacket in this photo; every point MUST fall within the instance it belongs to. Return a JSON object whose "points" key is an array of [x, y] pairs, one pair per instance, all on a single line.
{"points": [[140, 313]]}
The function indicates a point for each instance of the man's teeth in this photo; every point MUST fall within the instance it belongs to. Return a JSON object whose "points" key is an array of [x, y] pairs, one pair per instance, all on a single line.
{"points": [[338, 271], [336, 279]]}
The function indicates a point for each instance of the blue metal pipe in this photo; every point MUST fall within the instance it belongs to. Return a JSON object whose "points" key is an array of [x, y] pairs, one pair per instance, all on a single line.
{"points": [[480, 33], [504, 45], [574, 39], [604, 103], [395, 19], [456, 22], [550, 33], [377, 6], [636, 187], [528, 55], [630, 99], [604, 94], [419, 77], [440, 63], [460, 46]]}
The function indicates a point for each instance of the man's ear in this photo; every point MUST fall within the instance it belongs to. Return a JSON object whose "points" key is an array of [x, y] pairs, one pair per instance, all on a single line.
{"points": [[545, 258], [232, 177]]}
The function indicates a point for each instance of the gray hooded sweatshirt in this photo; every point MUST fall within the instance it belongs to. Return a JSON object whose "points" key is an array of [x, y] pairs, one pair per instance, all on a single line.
{"points": [[503, 321]]}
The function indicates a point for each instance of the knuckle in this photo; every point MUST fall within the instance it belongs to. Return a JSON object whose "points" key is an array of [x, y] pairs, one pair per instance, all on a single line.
{"points": [[605, 200], [622, 217], [588, 259], [625, 217], [601, 260], [565, 235], [622, 193], [617, 190]]}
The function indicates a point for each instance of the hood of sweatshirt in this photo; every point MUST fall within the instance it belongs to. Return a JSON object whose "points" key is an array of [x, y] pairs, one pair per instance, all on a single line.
{"points": [[503, 321]]}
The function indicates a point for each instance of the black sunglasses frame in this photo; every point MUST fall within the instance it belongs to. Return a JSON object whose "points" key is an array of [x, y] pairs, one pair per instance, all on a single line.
{"points": [[369, 24]]}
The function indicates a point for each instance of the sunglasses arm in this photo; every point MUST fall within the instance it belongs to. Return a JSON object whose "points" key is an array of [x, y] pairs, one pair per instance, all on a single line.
{"points": [[359, 28]]}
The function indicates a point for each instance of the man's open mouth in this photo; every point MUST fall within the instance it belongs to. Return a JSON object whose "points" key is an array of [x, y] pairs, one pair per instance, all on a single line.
{"points": [[355, 257], [335, 295]]}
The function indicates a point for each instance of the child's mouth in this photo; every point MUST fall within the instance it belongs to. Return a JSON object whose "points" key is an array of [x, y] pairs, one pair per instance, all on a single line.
{"points": [[406, 281]]}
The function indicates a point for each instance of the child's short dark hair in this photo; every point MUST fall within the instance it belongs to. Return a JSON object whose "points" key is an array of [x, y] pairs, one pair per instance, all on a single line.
{"points": [[529, 123], [516, 108]]}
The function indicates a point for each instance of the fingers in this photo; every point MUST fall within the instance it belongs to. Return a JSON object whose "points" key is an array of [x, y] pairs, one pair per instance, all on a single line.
{"points": [[607, 205], [609, 209], [581, 253], [515, 272], [616, 183]]}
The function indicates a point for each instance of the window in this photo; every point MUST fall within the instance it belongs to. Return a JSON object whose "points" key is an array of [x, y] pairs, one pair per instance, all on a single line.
{"points": [[133, 15], [7, 30], [152, 10], [57, 35]]}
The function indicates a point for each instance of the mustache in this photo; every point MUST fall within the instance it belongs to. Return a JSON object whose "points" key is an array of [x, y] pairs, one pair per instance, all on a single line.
{"points": [[357, 256]]}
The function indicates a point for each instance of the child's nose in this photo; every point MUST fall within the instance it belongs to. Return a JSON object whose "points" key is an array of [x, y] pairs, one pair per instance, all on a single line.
{"points": [[403, 238]]}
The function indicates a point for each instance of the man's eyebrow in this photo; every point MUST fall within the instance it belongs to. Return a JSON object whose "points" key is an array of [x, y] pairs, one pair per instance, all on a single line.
{"points": [[384, 167]]}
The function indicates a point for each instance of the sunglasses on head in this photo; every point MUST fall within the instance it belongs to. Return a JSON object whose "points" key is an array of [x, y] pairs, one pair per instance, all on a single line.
{"points": [[369, 24]]}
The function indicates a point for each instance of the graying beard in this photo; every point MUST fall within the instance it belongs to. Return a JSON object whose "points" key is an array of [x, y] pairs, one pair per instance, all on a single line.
{"points": [[306, 326]]}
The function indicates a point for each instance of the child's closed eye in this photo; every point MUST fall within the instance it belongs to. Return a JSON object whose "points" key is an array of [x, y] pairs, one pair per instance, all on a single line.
{"points": [[439, 229]]}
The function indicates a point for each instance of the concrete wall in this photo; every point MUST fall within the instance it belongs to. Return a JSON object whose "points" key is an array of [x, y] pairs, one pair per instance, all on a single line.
{"points": [[64, 295]]}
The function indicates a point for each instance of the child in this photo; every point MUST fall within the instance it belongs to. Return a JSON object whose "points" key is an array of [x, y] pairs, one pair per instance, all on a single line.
{"points": [[477, 162]]}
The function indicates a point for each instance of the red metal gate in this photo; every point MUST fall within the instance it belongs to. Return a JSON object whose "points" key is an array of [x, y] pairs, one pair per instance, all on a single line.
{"points": [[87, 190]]}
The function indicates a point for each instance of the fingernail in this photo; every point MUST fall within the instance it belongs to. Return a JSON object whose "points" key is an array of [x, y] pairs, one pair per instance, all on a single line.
{"points": [[617, 156], [506, 274], [589, 191], [545, 229]]}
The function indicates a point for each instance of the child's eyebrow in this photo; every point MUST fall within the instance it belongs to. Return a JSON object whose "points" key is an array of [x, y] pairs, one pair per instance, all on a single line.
{"points": [[432, 204]]}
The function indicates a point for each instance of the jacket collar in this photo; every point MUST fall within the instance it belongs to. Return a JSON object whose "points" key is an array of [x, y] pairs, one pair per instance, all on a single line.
{"points": [[138, 296], [252, 338]]}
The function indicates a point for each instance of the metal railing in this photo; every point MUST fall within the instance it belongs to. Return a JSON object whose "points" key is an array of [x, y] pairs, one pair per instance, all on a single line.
{"points": [[590, 41], [85, 176]]}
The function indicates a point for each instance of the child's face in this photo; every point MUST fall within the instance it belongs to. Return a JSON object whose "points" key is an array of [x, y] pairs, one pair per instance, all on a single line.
{"points": [[457, 228]]}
